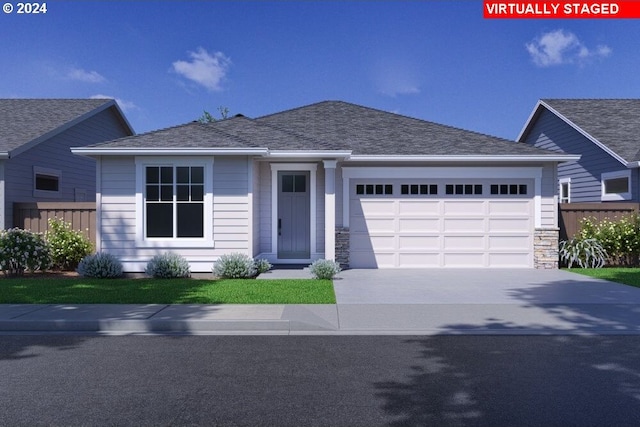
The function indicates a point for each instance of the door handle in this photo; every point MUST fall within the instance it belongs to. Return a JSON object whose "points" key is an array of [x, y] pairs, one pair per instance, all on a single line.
{"points": [[279, 226]]}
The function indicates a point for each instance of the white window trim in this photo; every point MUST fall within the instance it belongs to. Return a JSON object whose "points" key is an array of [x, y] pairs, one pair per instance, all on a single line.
{"points": [[145, 242], [564, 181], [37, 170], [305, 167], [615, 196]]}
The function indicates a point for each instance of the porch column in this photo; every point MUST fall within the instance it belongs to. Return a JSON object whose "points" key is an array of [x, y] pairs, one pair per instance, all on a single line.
{"points": [[330, 209]]}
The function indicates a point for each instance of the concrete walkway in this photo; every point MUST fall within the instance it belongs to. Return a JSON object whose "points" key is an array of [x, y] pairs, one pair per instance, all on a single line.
{"points": [[421, 302]]}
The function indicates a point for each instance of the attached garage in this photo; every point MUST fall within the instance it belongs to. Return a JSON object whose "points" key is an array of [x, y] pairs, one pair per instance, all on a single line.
{"points": [[431, 221]]}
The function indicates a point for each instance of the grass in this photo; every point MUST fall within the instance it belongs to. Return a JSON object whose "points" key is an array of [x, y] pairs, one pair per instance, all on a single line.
{"points": [[165, 291], [627, 276]]}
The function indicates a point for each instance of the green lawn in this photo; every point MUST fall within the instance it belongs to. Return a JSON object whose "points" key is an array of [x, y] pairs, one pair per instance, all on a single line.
{"points": [[628, 276], [165, 291]]}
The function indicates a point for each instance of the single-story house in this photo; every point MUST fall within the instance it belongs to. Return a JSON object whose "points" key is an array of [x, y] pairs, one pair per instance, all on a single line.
{"points": [[605, 133], [332, 180], [36, 164]]}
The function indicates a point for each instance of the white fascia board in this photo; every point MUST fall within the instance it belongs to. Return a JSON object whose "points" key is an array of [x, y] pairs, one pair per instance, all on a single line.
{"points": [[442, 172], [4, 155], [529, 122], [310, 153], [492, 158], [630, 165], [134, 151]]}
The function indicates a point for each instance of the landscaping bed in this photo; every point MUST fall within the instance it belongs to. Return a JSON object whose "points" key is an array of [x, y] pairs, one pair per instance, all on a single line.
{"points": [[50, 288]]}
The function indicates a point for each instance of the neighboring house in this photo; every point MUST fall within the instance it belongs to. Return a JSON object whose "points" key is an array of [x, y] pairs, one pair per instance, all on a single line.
{"points": [[605, 133], [331, 180], [36, 163]]}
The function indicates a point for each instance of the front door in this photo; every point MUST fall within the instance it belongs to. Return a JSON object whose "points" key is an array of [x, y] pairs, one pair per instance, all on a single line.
{"points": [[294, 240]]}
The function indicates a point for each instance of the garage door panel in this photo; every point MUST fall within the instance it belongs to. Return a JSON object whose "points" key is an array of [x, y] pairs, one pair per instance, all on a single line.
{"points": [[419, 259], [509, 242], [467, 207], [464, 242], [378, 207], [510, 224], [464, 259], [509, 259], [418, 242], [420, 225], [463, 224], [505, 207], [419, 207]]}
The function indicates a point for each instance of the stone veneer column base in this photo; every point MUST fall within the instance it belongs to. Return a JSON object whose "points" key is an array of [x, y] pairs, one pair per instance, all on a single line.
{"points": [[342, 247], [545, 248]]}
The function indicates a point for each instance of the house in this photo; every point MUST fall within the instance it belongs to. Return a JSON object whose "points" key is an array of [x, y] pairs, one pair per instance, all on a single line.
{"points": [[36, 163], [332, 180], [605, 132]]}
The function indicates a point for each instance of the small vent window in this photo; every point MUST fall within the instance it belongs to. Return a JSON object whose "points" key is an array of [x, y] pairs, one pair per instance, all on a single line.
{"points": [[374, 189], [508, 189], [419, 189], [463, 189]]}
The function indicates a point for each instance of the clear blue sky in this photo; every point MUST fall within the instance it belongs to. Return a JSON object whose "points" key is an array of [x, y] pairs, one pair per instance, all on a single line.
{"points": [[167, 61]]}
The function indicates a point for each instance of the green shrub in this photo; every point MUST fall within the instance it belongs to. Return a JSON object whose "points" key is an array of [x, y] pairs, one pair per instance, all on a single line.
{"points": [[235, 266], [22, 250], [262, 265], [67, 246], [620, 238], [100, 265], [168, 266], [587, 253], [324, 269]]}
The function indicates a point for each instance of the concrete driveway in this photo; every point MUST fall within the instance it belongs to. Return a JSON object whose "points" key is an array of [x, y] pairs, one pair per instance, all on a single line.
{"points": [[478, 286]]}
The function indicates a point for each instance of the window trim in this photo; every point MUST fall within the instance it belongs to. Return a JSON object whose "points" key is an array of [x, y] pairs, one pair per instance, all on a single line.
{"points": [[56, 173], [174, 242], [609, 197], [561, 182]]}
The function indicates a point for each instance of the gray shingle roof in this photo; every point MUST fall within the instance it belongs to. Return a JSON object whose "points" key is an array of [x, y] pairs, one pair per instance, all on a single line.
{"points": [[613, 122], [23, 120], [330, 125]]}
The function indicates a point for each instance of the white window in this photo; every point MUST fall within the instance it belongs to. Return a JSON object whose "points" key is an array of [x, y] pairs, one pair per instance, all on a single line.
{"points": [[564, 190], [616, 186], [46, 182], [174, 203]]}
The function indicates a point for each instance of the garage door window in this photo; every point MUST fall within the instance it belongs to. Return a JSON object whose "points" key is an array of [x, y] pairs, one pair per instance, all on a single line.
{"points": [[508, 189], [422, 189], [374, 189], [463, 189]]}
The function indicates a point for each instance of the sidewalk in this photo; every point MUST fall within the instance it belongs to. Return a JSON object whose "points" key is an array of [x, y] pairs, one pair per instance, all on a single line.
{"points": [[506, 302]]}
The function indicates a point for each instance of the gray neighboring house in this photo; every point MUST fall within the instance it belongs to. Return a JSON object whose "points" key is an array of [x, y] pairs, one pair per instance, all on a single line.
{"points": [[605, 133], [36, 163], [333, 180]]}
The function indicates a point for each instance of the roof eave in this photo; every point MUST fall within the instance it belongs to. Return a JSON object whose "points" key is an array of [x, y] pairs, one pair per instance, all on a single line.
{"points": [[336, 154], [185, 151], [4, 155], [469, 158]]}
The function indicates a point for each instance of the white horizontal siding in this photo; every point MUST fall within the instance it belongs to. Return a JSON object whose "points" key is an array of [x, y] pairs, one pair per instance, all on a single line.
{"points": [[119, 218]]}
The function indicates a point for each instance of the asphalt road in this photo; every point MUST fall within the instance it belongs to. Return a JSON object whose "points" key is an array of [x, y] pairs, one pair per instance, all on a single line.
{"points": [[320, 381]]}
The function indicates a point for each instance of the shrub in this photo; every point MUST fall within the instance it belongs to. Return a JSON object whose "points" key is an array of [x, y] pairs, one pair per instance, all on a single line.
{"points": [[22, 250], [620, 238], [324, 269], [67, 246], [168, 266], [587, 253], [235, 266], [262, 265], [100, 265]]}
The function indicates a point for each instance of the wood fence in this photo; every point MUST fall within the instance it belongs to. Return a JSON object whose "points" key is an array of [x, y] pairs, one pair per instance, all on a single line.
{"points": [[35, 216], [570, 214]]}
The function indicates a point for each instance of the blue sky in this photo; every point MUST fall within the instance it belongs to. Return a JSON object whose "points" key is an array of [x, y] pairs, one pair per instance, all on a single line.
{"points": [[167, 61]]}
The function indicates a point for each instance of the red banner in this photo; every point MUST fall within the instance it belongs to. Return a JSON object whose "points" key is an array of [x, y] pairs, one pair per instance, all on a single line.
{"points": [[561, 9]]}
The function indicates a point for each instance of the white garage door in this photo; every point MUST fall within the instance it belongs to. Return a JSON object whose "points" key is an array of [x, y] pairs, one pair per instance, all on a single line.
{"points": [[442, 223]]}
